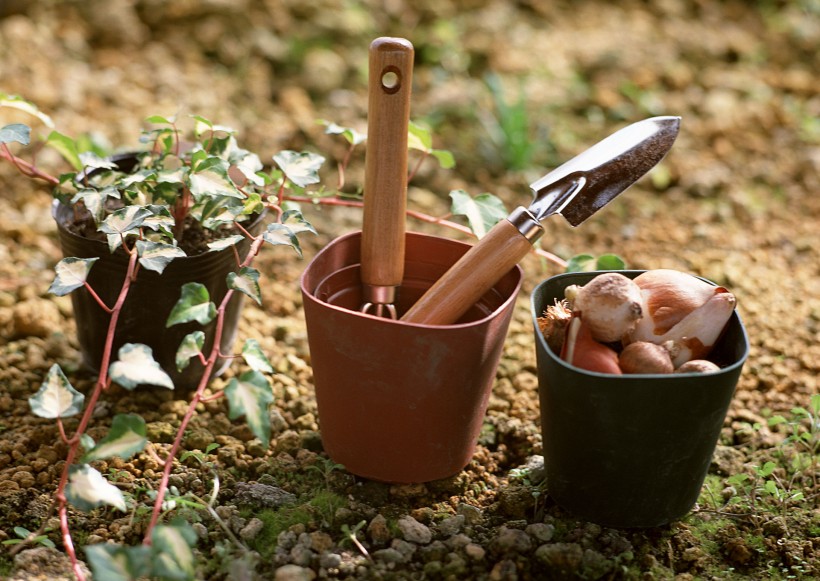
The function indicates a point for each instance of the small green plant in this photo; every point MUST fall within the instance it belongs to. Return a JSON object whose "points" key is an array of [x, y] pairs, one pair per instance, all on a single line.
{"points": [[351, 536], [24, 536], [510, 126], [325, 467], [787, 481]]}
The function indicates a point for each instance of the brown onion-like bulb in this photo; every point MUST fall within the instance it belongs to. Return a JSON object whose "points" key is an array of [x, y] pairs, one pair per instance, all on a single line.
{"points": [[581, 350], [553, 324], [609, 304], [645, 357], [695, 335], [668, 296], [698, 366]]}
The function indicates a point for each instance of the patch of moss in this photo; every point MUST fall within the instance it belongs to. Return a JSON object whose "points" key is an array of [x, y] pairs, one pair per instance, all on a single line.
{"points": [[6, 565], [275, 522], [321, 507]]}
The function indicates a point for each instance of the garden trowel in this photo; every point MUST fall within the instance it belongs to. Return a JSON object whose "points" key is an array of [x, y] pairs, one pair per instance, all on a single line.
{"points": [[576, 190]]}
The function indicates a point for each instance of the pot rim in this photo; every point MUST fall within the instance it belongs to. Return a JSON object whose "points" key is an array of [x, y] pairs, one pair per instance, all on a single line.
{"points": [[310, 293], [627, 377]]}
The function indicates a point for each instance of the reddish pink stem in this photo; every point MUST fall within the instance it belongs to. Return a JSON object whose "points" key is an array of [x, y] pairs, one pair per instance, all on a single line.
{"points": [[74, 442], [26, 168], [197, 397]]}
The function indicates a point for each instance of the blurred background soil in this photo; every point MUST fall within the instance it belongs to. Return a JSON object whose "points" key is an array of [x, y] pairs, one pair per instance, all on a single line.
{"points": [[736, 201]]}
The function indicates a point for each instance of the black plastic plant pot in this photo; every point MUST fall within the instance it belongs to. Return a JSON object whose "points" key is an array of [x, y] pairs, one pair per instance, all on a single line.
{"points": [[149, 301], [630, 450]]}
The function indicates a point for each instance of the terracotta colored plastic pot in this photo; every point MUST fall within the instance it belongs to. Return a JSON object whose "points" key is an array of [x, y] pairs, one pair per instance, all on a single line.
{"points": [[400, 402], [630, 450], [149, 302]]}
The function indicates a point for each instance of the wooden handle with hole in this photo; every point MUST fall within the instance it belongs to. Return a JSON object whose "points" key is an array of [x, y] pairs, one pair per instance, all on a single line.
{"points": [[473, 275], [385, 185]]}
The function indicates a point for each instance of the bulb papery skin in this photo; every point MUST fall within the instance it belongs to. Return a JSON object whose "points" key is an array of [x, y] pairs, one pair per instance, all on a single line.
{"points": [[610, 305], [698, 366], [553, 324], [644, 357], [582, 351], [668, 296], [695, 335]]}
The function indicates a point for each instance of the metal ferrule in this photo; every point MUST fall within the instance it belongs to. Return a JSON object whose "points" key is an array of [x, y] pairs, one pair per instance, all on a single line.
{"points": [[527, 224], [379, 301], [378, 295]]}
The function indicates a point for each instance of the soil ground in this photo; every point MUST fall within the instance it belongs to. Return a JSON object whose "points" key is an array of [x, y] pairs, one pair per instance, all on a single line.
{"points": [[736, 202]]}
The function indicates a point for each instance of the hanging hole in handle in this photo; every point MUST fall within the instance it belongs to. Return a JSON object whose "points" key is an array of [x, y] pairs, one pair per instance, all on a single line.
{"points": [[391, 80]]}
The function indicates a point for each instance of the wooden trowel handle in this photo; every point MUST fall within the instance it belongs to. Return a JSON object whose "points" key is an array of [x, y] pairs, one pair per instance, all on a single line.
{"points": [[385, 186], [473, 275]]}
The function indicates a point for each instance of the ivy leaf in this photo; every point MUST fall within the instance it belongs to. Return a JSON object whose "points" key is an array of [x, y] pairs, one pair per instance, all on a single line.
{"points": [[15, 132], [71, 274], [246, 281], [421, 139], [87, 489], [445, 158], [609, 262], [126, 437], [302, 168], [174, 557], [352, 136], [160, 120], [250, 395], [191, 346], [224, 243], [94, 200], [56, 397], [66, 147], [91, 160], [17, 102], [294, 220], [110, 562], [254, 356], [194, 304], [125, 220], [581, 263], [589, 263], [210, 179], [136, 366], [249, 165], [280, 235], [157, 255], [87, 442], [160, 220], [482, 212]]}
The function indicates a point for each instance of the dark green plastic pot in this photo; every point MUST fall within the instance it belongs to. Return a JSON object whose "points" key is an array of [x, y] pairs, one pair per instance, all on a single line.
{"points": [[150, 299], [630, 450]]}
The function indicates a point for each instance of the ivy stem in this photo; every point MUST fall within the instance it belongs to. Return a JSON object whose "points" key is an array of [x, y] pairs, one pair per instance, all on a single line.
{"points": [[101, 385], [417, 166], [343, 165], [26, 168], [97, 298], [198, 396]]}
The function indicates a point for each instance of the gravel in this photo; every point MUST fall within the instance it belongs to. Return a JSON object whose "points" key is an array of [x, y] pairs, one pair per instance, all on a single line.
{"points": [[736, 202]]}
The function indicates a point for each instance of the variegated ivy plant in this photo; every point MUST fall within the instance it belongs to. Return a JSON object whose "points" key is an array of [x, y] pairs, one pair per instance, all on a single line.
{"points": [[207, 178]]}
